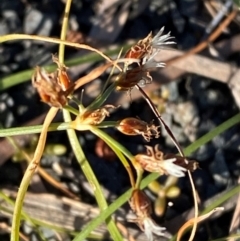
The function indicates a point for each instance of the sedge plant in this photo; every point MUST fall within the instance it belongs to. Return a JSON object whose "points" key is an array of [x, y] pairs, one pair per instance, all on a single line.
{"points": [[57, 90]]}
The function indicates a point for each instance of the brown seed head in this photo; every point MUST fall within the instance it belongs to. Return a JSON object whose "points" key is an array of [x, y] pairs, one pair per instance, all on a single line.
{"points": [[140, 204], [53, 88], [133, 126], [63, 79], [92, 117], [155, 161], [142, 48], [127, 80], [190, 165], [48, 88]]}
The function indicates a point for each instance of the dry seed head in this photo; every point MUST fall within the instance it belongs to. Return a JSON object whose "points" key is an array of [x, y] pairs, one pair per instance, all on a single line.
{"points": [[53, 88], [159, 40], [63, 79], [141, 206], [142, 48], [145, 51], [149, 46], [48, 88], [133, 126], [190, 165], [155, 161], [127, 80], [92, 117]]}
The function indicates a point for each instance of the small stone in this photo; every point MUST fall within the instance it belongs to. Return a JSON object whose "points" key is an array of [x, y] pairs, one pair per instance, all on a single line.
{"points": [[36, 22], [204, 152], [74, 187], [211, 98], [172, 88], [188, 8], [4, 29], [218, 141], [219, 169], [185, 113], [177, 18], [27, 227], [12, 20]]}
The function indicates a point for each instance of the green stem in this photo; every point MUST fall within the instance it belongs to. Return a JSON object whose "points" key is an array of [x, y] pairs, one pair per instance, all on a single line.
{"points": [[221, 199], [53, 127], [28, 176], [23, 214], [64, 31], [99, 101], [71, 109], [210, 135], [78, 150], [114, 145], [87, 170]]}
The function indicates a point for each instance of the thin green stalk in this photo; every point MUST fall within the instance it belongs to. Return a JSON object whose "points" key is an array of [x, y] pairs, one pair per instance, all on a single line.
{"points": [[113, 230], [118, 148], [221, 199], [29, 174], [213, 133], [114, 146], [11, 37], [23, 214], [114, 143], [125, 197], [217, 203], [71, 109], [87, 170], [111, 74], [33, 129], [99, 101], [111, 209], [64, 30], [61, 126]]}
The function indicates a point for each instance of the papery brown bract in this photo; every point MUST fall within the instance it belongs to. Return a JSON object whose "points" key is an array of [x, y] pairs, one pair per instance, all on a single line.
{"points": [[140, 49], [141, 206], [127, 80], [53, 88], [144, 51], [92, 117], [133, 126], [48, 88], [155, 161], [150, 161], [63, 78]]}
